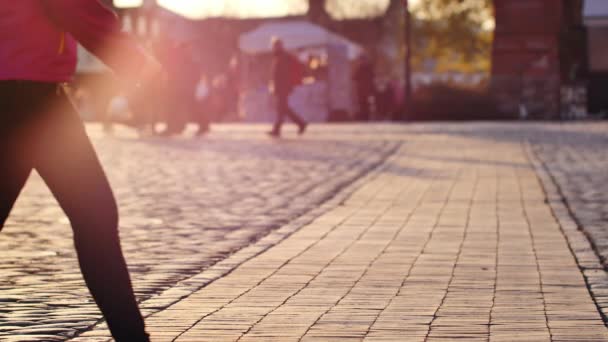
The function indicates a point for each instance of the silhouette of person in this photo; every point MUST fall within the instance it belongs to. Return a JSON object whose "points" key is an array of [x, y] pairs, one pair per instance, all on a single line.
{"points": [[183, 77], [287, 73], [201, 95], [364, 81], [233, 88], [40, 129]]}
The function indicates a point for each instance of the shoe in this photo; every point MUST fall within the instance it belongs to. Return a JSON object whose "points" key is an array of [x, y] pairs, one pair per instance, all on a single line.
{"points": [[302, 128], [201, 132], [274, 134], [171, 132]]}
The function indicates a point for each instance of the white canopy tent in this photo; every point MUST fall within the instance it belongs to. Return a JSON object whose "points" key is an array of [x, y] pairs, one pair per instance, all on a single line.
{"points": [[315, 101], [295, 35]]}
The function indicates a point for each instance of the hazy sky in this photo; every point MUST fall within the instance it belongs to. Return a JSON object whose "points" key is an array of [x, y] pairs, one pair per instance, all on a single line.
{"points": [[259, 8]]}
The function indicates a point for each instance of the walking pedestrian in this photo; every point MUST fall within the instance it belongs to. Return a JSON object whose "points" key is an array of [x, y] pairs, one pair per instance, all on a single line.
{"points": [[183, 79], [233, 88], [39, 129], [364, 81], [148, 110], [287, 73], [385, 101], [201, 112]]}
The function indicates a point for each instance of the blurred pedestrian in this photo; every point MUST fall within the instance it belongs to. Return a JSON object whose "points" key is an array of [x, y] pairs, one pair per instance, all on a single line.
{"points": [[148, 110], [233, 88], [399, 97], [201, 113], [40, 129], [287, 73], [182, 79], [364, 82], [385, 100]]}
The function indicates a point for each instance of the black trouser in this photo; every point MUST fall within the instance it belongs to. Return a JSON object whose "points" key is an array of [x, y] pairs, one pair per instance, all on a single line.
{"points": [[176, 110], [364, 110], [201, 116], [39, 129], [284, 110]]}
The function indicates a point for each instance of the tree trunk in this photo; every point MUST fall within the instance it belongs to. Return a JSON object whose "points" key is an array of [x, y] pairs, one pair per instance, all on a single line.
{"points": [[317, 13]]}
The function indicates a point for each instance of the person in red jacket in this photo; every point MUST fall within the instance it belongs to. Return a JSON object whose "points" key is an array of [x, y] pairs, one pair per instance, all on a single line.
{"points": [[287, 73], [40, 130]]}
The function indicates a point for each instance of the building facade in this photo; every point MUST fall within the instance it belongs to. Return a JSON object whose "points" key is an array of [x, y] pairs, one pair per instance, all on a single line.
{"points": [[596, 23], [538, 56]]}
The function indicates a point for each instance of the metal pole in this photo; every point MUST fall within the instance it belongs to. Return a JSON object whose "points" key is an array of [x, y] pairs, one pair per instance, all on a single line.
{"points": [[407, 103]]}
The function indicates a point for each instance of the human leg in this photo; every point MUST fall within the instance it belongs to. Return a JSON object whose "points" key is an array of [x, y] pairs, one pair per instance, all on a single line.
{"points": [[14, 148], [364, 107], [68, 164], [283, 110], [13, 175], [281, 99], [293, 116], [201, 117], [296, 119]]}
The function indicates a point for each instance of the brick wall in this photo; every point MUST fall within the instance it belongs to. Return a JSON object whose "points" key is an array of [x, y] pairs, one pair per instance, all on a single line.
{"points": [[526, 57]]}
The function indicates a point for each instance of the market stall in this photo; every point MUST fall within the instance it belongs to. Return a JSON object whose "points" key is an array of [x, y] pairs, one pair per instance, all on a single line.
{"points": [[327, 89]]}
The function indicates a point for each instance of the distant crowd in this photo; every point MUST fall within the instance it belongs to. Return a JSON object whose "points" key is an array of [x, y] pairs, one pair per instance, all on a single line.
{"points": [[187, 94]]}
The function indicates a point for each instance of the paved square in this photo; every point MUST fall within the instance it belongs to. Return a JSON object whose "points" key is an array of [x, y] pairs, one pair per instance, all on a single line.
{"points": [[450, 238]]}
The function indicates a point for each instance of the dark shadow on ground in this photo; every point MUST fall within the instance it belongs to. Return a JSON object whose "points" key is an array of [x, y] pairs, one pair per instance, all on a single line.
{"points": [[552, 133]]}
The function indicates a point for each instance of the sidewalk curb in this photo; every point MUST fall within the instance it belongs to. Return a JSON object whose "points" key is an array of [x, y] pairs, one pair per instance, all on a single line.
{"points": [[581, 247], [187, 287]]}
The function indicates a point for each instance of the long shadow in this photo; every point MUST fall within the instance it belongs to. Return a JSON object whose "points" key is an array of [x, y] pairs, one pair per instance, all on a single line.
{"points": [[280, 149], [400, 170], [316, 150], [303, 151], [470, 161], [564, 134]]}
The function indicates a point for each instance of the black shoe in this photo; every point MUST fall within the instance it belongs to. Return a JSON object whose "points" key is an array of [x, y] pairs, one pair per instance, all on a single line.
{"points": [[201, 132], [302, 128]]}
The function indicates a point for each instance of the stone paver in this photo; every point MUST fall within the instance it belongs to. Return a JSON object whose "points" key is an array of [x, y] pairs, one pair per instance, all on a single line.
{"points": [[575, 157], [571, 159], [185, 204], [450, 240]]}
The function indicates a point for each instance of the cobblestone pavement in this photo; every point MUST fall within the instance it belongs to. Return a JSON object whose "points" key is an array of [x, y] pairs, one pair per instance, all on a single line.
{"points": [[451, 239], [577, 158], [184, 205]]}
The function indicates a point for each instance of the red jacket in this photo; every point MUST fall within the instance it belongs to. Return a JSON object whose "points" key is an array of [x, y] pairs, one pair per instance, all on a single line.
{"points": [[38, 39]]}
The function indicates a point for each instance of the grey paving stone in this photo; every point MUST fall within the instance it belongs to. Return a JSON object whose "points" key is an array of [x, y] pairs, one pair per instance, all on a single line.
{"points": [[185, 204]]}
